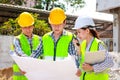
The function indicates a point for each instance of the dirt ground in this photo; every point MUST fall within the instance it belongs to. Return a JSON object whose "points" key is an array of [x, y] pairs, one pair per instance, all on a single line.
{"points": [[6, 74]]}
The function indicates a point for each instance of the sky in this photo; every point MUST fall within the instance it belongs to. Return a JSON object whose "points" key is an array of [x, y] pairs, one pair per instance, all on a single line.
{"points": [[90, 10], [90, 6]]}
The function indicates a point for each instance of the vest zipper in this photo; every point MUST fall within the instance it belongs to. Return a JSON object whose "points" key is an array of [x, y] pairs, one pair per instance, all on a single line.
{"points": [[84, 75], [31, 44], [54, 57], [55, 47]]}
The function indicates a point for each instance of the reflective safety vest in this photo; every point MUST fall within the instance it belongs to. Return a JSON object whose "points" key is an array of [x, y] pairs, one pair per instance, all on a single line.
{"points": [[59, 50], [92, 75], [27, 49]]}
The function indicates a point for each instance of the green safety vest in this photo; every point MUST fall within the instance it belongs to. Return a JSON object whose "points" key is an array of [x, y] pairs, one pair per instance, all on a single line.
{"points": [[25, 46], [60, 50], [91, 75]]}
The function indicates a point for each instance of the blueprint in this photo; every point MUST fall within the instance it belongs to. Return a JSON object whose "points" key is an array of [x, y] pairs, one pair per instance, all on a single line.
{"points": [[37, 69]]}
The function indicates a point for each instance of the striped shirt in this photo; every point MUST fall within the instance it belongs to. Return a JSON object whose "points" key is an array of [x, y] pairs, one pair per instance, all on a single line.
{"points": [[71, 49], [107, 63]]}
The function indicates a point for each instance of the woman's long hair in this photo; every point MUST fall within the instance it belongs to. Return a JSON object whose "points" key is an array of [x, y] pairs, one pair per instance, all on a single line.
{"points": [[92, 31]]}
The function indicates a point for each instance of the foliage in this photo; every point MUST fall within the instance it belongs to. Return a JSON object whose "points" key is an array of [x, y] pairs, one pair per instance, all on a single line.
{"points": [[48, 4], [14, 2], [41, 27], [76, 4], [11, 27]]}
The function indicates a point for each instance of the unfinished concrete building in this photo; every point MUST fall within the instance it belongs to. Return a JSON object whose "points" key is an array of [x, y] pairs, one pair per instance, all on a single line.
{"points": [[113, 7]]}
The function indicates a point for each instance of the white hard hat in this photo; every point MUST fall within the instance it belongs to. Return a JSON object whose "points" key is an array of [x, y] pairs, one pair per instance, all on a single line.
{"points": [[82, 22]]}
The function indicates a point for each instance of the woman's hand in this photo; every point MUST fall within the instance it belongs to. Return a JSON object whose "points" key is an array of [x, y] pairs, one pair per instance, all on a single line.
{"points": [[87, 67], [78, 73]]}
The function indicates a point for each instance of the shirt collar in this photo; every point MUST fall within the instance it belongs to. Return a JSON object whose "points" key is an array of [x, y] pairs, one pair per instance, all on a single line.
{"points": [[63, 33], [27, 36], [89, 45]]}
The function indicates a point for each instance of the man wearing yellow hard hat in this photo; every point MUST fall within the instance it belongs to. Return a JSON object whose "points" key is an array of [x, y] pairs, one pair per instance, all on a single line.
{"points": [[57, 44], [25, 43]]}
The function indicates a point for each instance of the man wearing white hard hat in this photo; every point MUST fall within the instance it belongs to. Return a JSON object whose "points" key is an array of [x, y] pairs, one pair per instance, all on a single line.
{"points": [[86, 32]]}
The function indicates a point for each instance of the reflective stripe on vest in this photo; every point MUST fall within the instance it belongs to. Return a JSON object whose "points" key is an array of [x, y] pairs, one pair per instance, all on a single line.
{"points": [[17, 74], [58, 50], [91, 75]]}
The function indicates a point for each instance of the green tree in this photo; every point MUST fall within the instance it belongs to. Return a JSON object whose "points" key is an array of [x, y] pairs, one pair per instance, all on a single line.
{"points": [[13, 2], [48, 4], [75, 3], [41, 27], [11, 27]]}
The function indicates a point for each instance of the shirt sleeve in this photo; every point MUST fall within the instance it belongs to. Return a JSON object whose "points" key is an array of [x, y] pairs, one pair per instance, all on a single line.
{"points": [[17, 47], [36, 53], [72, 51], [107, 63]]}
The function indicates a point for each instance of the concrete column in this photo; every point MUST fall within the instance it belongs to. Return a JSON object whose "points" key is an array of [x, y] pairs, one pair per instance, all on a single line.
{"points": [[116, 32]]}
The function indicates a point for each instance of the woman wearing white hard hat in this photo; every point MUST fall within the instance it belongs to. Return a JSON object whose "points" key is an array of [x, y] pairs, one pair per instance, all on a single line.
{"points": [[86, 32]]}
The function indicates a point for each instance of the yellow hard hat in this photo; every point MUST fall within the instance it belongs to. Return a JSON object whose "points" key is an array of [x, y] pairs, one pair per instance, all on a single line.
{"points": [[57, 16], [25, 19]]}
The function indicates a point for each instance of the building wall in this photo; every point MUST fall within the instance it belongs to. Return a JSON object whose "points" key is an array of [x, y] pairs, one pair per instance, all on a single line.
{"points": [[5, 59], [103, 5], [109, 43]]}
